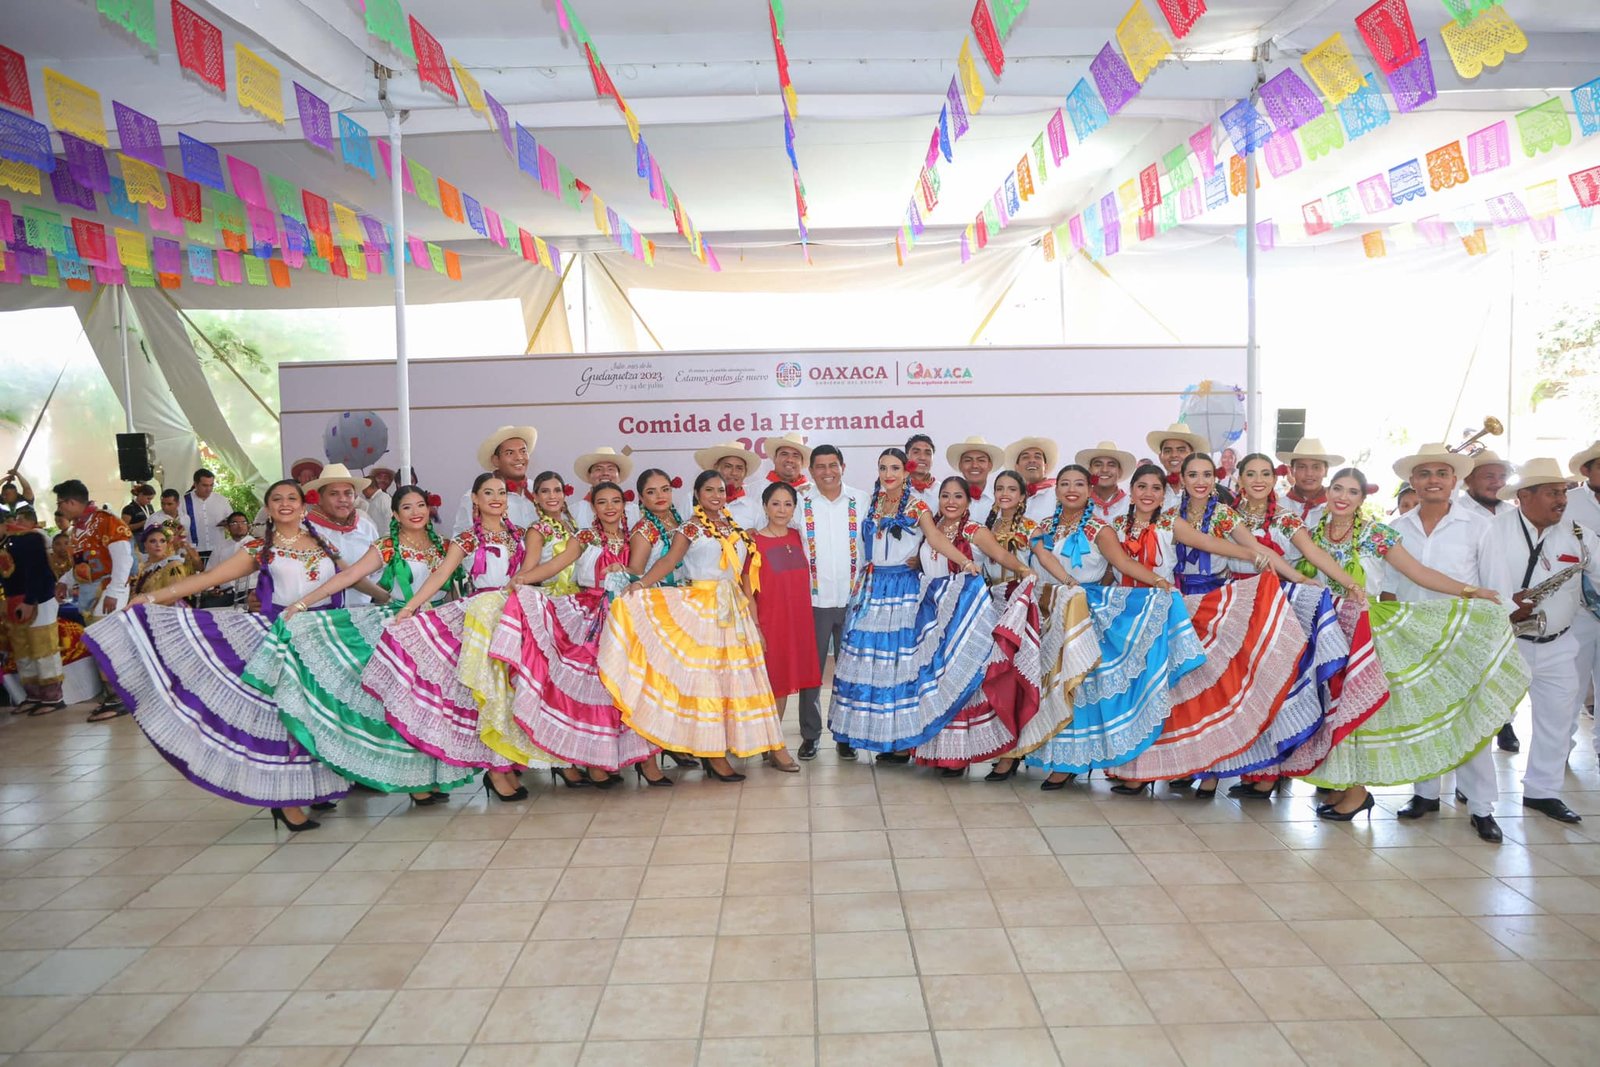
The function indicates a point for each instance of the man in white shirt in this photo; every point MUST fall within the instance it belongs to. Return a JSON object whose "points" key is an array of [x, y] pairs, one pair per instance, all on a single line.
{"points": [[735, 463], [1307, 496], [506, 452], [1172, 446], [830, 518], [236, 530], [1451, 540], [976, 459], [345, 530], [1527, 546], [1583, 504], [1108, 467], [1035, 459], [603, 465], [1480, 490], [203, 510]]}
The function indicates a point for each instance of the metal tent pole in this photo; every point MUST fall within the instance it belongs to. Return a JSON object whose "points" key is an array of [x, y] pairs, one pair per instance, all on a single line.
{"points": [[402, 375], [127, 369], [1252, 351]]}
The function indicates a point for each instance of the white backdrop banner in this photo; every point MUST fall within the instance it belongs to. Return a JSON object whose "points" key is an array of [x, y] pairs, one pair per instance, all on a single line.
{"points": [[661, 407]]}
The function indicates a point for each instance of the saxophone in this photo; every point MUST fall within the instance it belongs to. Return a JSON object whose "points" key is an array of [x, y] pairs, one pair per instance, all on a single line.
{"points": [[1534, 595]]}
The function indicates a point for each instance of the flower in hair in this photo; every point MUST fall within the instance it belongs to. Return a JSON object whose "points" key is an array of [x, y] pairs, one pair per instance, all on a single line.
{"points": [[911, 466], [434, 500], [1174, 480], [677, 483], [1372, 487], [1281, 470], [627, 496], [312, 497], [566, 490]]}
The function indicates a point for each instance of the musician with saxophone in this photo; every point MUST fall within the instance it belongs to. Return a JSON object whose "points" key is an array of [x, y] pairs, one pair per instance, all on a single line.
{"points": [[1536, 558], [1583, 504]]}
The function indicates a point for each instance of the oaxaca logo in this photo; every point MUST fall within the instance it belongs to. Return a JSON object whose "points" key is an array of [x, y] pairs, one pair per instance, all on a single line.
{"points": [[849, 373], [788, 374], [922, 372]]}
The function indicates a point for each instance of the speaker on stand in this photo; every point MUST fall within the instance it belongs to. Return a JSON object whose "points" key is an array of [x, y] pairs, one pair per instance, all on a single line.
{"points": [[133, 457]]}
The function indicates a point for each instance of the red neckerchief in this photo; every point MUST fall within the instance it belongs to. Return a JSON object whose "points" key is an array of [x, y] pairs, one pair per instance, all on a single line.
{"points": [[1145, 549], [921, 483], [1320, 500], [317, 518], [735, 493], [1107, 505], [798, 483], [975, 492], [1040, 486], [517, 487]]}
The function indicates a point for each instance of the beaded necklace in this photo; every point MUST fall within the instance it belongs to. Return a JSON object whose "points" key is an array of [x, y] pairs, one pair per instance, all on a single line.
{"points": [[811, 538]]}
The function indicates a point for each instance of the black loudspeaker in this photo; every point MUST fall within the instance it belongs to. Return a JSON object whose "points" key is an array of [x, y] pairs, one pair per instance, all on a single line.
{"points": [[133, 457], [1291, 427]]}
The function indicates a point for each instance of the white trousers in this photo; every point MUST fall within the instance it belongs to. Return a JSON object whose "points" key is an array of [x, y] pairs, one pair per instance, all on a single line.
{"points": [[1586, 628], [1475, 778], [1554, 696]]}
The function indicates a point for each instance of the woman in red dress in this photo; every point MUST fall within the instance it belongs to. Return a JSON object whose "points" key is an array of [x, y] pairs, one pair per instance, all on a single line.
{"points": [[783, 603]]}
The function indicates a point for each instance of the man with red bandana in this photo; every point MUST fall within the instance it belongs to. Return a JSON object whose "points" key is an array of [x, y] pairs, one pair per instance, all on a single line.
{"points": [[1309, 463], [1172, 446], [346, 530], [789, 458], [1108, 465], [506, 452], [919, 470], [735, 462], [1035, 459], [976, 459]]}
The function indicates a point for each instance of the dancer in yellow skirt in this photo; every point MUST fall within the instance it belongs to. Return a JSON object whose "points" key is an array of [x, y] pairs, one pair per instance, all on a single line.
{"points": [[685, 665]]}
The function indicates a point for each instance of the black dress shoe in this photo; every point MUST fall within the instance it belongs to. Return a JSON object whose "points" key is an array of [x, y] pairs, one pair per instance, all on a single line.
{"points": [[892, 757], [1461, 798], [1507, 739], [1553, 807], [1417, 807], [808, 750], [845, 751], [1487, 828]]}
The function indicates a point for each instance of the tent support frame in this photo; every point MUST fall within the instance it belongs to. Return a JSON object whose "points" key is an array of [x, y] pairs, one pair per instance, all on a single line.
{"points": [[402, 370]]}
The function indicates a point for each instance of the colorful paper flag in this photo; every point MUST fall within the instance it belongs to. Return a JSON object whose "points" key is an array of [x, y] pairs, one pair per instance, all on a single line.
{"points": [[988, 38], [199, 46], [432, 67], [1143, 44]]}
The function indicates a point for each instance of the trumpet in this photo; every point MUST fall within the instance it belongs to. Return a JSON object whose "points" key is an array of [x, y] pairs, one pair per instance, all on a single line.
{"points": [[1491, 427]]}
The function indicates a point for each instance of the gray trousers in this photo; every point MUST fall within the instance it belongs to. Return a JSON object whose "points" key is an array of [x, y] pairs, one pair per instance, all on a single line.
{"points": [[829, 626]]}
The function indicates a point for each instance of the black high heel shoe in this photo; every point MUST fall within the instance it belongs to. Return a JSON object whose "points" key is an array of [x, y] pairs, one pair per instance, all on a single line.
{"points": [[280, 819], [1123, 789], [653, 783], [1207, 794], [712, 772], [1047, 786], [610, 781], [558, 774], [683, 759], [429, 800], [952, 772], [1333, 814], [1001, 776], [1181, 783], [505, 798], [324, 805], [1248, 791]]}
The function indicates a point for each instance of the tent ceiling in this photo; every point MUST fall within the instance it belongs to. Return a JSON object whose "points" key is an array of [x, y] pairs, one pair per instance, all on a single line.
{"points": [[701, 76]]}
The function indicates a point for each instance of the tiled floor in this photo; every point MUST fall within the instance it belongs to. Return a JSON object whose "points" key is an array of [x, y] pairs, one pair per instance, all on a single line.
{"points": [[847, 915]]}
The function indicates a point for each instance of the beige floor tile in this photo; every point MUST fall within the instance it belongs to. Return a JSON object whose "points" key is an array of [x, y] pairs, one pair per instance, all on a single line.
{"points": [[545, 1054], [870, 1050], [599, 883], [768, 879], [667, 1011], [69, 971], [1025, 1046], [406, 1056], [1581, 978], [955, 872], [853, 876], [1540, 937], [1566, 1042], [684, 880], [564, 920], [491, 922], [110, 1023], [1089, 1000], [1041, 907], [23, 1019], [1478, 1042], [870, 954], [847, 912], [209, 1020], [1406, 991], [1160, 947], [763, 1051], [1342, 941], [1084, 840], [553, 1014], [1224, 1045], [1145, 1045], [1019, 872], [1292, 994], [655, 961], [1335, 1044], [869, 1005], [1121, 905], [980, 1002], [681, 917], [1177, 997], [762, 958], [1512, 988], [752, 1009], [431, 1017], [770, 847], [311, 924], [358, 966], [1447, 940], [850, 845], [964, 952], [765, 915], [448, 965], [324, 1018], [267, 967]]}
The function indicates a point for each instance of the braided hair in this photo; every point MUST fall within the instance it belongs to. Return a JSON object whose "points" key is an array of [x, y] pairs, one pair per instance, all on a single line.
{"points": [[1047, 533], [564, 516], [1141, 471], [1012, 536], [391, 573], [1272, 497], [480, 562], [264, 583], [895, 525]]}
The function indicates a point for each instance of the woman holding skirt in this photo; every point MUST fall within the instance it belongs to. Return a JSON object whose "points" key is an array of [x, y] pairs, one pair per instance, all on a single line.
{"points": [[414, 673], [1144, 642], [311, 664], [551, 533], [180, 672], [1248, 630], [1346, 683], [549, 641], [1451, 665], [648, 542], [685, 664], [987, 723], [906, 664]]}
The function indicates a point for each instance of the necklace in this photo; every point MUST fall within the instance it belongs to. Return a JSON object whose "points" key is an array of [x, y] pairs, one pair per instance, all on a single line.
{"points": [[286, 544], [888, 505], [1338, 537]]}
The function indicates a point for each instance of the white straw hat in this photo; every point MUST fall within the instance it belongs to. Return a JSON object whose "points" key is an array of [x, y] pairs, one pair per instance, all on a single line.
{"points": [[1544, 470], [603, 455], [1433, 452], [334, 474], [1052, 451], [953, 454], [1176, 432], [1110, 450], [491, 444], [707, 458], [1311, 448], [789, 440], [1588, 455]]}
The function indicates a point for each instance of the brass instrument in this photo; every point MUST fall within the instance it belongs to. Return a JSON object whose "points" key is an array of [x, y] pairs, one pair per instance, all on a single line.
{"points": [[1491, 427], [1534, 595]]}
